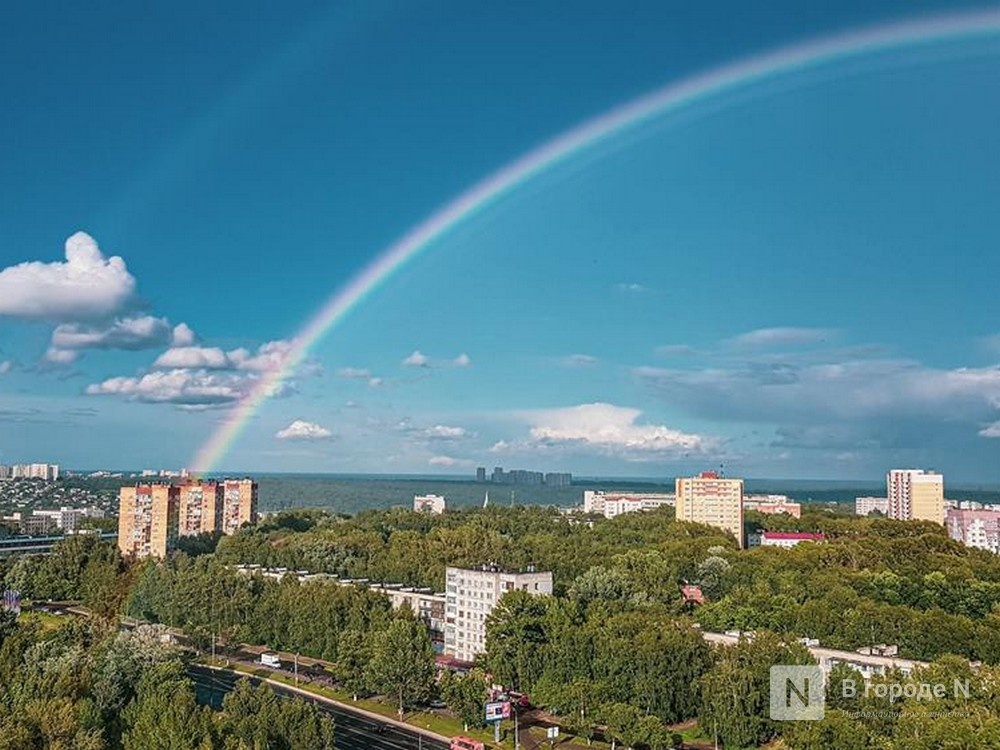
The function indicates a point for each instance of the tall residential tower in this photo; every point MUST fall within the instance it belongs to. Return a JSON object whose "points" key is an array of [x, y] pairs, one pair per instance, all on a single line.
{"points": [[713, 500], [915, 495]]}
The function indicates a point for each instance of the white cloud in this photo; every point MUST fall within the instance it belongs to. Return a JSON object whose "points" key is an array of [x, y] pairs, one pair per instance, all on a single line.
{"points": [[462, 360], [84, 287], [375, 382], [606, 429], [781, 336], [6, 366], [448, 461], [444, 432], [579, 360], [194, 357], [991, 431], [125, 333], [60, 356], [270, 356], [302, 430], [183, 335], [416, 359], [184, 386]]}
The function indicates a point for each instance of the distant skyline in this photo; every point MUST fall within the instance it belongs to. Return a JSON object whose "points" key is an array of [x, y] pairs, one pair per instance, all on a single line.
{"points": [[794, 279]]}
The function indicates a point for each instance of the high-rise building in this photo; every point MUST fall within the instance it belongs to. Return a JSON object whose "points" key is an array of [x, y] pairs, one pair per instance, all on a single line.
{"points": [[481, 474], [200, 507], [470, 597], [713, 500], [915, 495], [147, 519], [239, 504]]}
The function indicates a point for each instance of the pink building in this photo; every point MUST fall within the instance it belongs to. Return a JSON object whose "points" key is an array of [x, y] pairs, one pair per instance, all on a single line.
{"points": [[772, 504], [975, 528]]}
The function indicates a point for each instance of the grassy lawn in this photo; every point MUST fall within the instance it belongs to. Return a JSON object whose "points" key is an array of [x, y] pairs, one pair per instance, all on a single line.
{"points": [[46, 620]]}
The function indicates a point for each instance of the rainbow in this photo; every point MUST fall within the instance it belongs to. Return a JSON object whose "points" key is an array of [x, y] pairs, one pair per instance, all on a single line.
{"points": [[783, 61]]}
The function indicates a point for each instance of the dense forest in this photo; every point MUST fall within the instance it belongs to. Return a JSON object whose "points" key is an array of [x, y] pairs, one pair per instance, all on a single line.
{"points": [[84, 686], [616, 650]]}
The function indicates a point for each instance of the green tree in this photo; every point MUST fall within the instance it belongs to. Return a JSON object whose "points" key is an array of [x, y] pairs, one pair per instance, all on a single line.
{"points": [[402, 663], [466, 696]]}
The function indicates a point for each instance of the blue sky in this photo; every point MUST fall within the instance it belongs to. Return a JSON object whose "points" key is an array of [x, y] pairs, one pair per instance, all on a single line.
{"points": [[795, 279]]}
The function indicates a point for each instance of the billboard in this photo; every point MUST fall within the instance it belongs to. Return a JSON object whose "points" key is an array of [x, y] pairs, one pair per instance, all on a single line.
{"points": [[497, 710], [12, 601]]}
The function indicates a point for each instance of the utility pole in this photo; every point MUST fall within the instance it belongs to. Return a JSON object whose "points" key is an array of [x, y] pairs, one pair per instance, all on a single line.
{"points": [[296, 667]]}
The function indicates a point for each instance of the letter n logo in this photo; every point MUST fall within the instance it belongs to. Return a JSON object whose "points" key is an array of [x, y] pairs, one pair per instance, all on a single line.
{"points": [[797, 693]]}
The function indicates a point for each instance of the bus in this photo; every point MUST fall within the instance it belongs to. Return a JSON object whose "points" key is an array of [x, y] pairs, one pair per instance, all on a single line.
{"points": [[466, 743]]}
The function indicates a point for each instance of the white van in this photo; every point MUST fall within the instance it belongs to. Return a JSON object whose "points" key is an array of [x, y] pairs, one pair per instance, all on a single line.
{"points": [[271, 660]]}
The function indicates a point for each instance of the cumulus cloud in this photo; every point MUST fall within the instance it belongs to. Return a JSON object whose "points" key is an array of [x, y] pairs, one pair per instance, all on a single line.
{"points": [[991, 431], [462, 360], [270, 356], [781, 336], [445, 432], [86, 286], [417, 359], [302, 430], [605, 429], [183, 335], [197, 357], [6, 366], [125, 333], [56, 356], [186, 387]]}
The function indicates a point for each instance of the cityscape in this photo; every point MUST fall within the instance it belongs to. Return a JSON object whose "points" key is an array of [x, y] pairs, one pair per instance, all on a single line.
{"points": [[511, 376]]}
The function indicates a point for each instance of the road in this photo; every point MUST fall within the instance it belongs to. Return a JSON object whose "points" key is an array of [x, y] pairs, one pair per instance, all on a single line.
{"points": [[354, 731]]}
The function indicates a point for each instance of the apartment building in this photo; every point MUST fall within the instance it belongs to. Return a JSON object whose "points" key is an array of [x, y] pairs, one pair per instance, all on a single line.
{"points": [[975, 528], [200, 507], [865, 506], [772, 505], [470, 597], [915, 495], [611, 504], [147, 519], [239, 504], [713, 500], [788, 539]]}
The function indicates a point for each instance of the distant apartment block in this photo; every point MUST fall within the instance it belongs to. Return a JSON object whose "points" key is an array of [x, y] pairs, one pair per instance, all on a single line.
{"points": [[470, 597], [712, 500], [45, 472], [915, 495], [975, 528], [611, 504], [147, 519], [239, 504], [788, 539], [523, 477], [433, 504], [200, 507], [68, 519], [865, 506], [772, 505]]}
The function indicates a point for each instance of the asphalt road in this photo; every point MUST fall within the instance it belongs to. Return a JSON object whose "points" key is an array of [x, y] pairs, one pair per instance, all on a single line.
{"points": [[353, 731]]}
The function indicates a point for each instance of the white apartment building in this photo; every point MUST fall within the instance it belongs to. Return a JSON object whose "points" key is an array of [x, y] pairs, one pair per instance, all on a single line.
{"points": [[915, 495], [865, 506], [68, 519], [433, 504], [46, 472], [979, 528], [470, 597], [611, 504]]}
